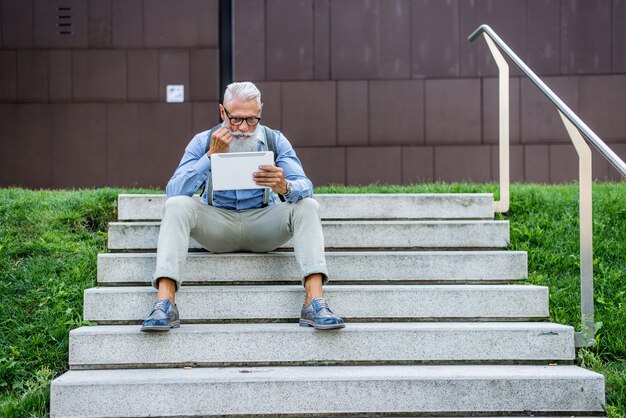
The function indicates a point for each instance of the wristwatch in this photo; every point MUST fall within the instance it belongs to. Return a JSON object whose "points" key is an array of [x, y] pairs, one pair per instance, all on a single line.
{"points": [[289, 188]]}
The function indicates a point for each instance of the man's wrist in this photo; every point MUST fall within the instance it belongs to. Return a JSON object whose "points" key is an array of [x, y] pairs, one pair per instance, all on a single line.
{"points": [[288, 188]]}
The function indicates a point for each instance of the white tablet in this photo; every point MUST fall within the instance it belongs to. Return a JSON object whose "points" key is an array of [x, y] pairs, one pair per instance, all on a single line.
{"points": [[233, 171]]}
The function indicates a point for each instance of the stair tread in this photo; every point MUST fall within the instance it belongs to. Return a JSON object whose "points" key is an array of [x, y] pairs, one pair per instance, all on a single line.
{"points": [[351, 301], [287, 343], [342, 206], [357, 266], [328, 389], [354, 234]]}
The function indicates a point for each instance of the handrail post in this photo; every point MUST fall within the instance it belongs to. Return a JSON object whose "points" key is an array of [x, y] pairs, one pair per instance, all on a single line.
{"points": [[502, 205], [585, 337]]}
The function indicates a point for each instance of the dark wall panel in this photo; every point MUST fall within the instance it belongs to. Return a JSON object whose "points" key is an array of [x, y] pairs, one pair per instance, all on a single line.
{"points": [[8, 76], [352, 113], [367, 165], [537, 163], [543, 36], [324, 165], [60, 75], [122, 152], [563, 163], [143, 75], [463, 163], [418, 164], [164, 132], [396, 112], [180, 23], [453, 111], [309, 113], [272, 103], [321, 41], [99, 75], [100, 24], [127, 21], [205, 115], [204, 83], [290, 41], [394, 39], [619, 36], [27, 161], [32, 76], [602, 104], [17, 24], [585, 36], [354, 39], [78, 145], [435, 38], [249, 40]]}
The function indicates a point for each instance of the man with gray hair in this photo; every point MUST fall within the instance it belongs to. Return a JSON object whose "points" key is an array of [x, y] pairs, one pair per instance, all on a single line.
{"points": [[240, 220]]}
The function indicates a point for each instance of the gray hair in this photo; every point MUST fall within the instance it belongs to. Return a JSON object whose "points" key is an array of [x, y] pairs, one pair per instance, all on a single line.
{"points": [[243, 91]]}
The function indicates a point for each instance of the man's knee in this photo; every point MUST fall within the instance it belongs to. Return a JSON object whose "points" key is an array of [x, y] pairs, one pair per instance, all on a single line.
{"points": [[308, 205], [178, 205]]}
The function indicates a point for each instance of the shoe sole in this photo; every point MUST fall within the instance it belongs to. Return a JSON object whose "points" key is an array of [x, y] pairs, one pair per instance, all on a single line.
{"points": [[175, 324], [307, 323]]}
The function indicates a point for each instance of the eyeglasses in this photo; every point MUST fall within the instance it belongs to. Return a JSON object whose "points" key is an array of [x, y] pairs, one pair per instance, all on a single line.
{"points": [[236, 121]]}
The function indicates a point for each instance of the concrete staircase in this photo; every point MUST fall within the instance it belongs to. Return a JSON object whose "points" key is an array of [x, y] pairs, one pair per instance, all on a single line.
{"points": [[435, 324]]}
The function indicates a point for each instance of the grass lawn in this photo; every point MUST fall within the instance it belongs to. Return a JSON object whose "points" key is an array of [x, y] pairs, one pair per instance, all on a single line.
{"points": [[49, 241]]}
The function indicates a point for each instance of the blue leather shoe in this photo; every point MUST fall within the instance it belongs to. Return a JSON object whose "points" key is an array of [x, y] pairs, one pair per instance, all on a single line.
{"points": [[317, 314], [164, 316]]}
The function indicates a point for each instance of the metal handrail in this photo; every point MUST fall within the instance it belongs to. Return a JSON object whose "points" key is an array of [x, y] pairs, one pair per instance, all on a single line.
{"points": [[591, 137], [580, 134]]}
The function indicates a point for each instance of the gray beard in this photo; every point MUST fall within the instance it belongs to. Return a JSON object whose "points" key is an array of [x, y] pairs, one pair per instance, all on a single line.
{"points": [[245, 142]]}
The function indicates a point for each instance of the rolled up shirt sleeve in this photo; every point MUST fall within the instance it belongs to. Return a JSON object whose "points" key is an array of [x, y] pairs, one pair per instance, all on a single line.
{"points": [[193, 169], [288, 160]]}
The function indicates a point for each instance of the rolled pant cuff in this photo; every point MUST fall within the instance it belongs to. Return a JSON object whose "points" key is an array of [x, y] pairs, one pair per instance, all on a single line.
{"points": [[316, 270], [166, 275]]}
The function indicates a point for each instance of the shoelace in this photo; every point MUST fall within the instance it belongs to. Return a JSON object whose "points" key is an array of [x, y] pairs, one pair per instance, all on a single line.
{"points": [[322, 304], [160, 304]]}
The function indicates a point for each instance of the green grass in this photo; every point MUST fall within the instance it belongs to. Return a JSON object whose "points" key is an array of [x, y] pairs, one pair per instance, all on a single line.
{"points": [[49, 241]]}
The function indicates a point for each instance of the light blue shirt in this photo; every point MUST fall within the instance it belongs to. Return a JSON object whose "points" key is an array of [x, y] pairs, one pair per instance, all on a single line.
{"points": [[194, 168]]}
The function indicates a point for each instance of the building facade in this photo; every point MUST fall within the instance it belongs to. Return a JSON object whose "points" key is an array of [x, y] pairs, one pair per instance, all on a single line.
{"points": [[386, 91]]}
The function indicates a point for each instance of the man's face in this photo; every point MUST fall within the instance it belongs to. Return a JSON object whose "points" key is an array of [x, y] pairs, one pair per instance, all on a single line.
{"points": [[240, 109]]}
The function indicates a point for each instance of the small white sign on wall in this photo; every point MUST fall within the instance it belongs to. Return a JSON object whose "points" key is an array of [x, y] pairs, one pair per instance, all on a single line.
{"points": [[175, 93]]}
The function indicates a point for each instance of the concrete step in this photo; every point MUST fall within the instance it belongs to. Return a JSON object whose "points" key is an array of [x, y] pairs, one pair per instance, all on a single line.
{"points": [[133, 207], [353, 234], [366, 302], [273, 344], [382, 266], [330, 390]]}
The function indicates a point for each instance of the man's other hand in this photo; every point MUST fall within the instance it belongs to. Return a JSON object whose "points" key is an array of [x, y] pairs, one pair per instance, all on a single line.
{"points": [[273, 177], [220, 141]]}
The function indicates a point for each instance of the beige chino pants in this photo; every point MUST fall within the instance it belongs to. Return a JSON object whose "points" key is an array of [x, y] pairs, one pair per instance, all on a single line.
{"points": [[225, 231]]}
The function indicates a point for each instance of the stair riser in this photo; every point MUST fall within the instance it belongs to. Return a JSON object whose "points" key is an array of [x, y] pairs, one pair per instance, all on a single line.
{"points": [[272, 391], [350, 267], [423, 206], [100, 347], [224, 303], [452, 234]]}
